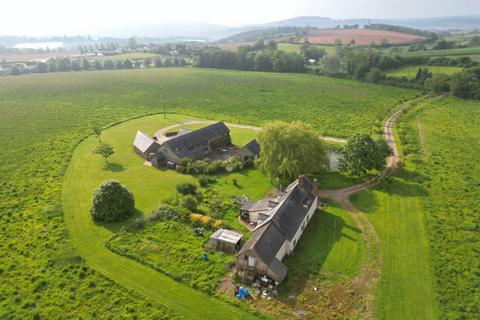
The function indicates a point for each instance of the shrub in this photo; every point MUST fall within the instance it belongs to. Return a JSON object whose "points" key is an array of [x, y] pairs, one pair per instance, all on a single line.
{"points": [[189, 202], [185, 162], [112, 201], [186, 188], [199, 166], [234, 164], [165, 212], [205, 180], [206, 221], [216, 167]]}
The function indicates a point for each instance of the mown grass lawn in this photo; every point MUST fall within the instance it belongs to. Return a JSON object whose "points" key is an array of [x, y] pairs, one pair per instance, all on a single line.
{"points": [[149, 186], [449, 130], [331, 245], [411, 72], [405, 290]]}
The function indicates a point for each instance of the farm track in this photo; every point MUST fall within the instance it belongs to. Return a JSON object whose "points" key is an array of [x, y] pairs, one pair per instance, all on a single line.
{"points": [[364, 283], [160, 134]]}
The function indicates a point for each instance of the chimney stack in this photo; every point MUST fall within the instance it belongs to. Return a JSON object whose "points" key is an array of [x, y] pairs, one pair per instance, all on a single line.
{"points": [[314, 187]]}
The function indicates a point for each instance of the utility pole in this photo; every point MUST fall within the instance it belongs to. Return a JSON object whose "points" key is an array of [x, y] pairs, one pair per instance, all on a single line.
{"points": [[163, 102]]}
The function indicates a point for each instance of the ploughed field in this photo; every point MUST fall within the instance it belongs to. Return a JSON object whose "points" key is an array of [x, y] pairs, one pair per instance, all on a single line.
{"points": [[362, 37], [45, 116]]}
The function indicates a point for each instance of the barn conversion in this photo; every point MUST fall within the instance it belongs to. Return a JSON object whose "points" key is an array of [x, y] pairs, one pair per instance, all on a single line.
{"points": [[195, 145], [276, 236]]}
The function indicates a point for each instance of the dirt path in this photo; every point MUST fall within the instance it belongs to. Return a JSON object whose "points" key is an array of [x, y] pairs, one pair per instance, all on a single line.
{"points": [[369, 275], [366, 280], [160, 134]]}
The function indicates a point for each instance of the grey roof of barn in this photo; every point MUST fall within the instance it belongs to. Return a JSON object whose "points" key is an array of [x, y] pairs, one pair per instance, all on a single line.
{"points": [[182, 144], [283, 222], [253, 146], [143, 142]]}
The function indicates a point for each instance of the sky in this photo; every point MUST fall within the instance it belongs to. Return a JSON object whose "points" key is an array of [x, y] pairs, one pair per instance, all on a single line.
{"points": [[67, 17]]}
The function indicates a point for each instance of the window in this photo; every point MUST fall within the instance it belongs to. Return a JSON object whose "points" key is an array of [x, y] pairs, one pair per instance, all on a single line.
{"points": [[251, 261]]}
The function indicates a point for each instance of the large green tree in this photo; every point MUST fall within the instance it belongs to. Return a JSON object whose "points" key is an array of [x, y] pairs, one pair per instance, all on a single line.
{"points": [[362, 154], [112, 201], [289, 150]]}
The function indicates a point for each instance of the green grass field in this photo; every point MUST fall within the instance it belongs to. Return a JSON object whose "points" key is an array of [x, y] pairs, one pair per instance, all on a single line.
{"points": [[45, 116], [130, 56], [457, 52], [411, 72], [449, 164], [434, 198], [406, 287], [292, 47]]}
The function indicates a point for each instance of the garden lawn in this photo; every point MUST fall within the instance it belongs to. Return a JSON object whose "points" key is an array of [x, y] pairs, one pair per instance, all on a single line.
{"points": [[149, 186], [331, 245], [295, 47], [411, 72]]}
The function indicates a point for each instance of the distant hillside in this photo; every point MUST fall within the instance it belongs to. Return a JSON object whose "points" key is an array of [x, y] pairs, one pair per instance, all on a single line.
{"points": [[438, 23], [316, 22], [266, 33]]}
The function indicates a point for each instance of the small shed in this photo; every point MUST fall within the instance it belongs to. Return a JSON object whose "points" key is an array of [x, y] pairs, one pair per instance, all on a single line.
{"points": [[225, 240]]}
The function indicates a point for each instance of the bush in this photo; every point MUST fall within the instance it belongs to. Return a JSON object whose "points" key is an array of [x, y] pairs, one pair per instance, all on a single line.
{"points": [[164, 212], [112, 201], [234, 164], [186, 188], [189, 202], [205, 180]]}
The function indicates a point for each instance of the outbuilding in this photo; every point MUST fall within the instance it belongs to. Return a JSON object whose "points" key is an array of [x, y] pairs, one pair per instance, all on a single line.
{"points": [[145, 145], [225, 240]]}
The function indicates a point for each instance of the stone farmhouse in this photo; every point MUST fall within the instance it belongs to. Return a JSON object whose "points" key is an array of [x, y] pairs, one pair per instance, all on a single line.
{"points": [[280, 224], [212, 142]]}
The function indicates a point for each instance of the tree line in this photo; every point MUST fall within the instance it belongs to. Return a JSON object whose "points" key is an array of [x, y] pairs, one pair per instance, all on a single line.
{"points": [[68, 64], [260, 56]]}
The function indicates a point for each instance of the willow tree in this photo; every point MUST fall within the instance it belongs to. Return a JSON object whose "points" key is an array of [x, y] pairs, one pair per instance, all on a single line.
{"points": [[289, 150]]}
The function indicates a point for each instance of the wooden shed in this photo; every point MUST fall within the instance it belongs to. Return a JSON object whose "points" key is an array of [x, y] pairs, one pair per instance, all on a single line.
{"points": [[225, 240]]}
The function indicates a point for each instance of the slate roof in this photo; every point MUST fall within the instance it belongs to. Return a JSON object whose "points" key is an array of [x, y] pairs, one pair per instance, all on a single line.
{"points": [[253, 146], [282, 224], [278, 268], [182, 145], [143, 142], [265, 241]]}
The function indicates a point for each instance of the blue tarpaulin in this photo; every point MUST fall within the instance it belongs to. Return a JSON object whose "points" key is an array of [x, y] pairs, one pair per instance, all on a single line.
{"points": [[242, 293]]}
